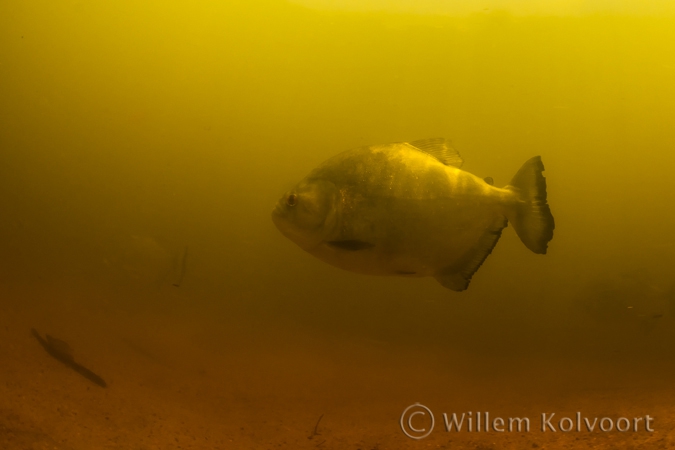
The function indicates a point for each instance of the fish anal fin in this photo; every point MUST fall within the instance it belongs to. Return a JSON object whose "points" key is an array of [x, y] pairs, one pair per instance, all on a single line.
{"points": [[458, 277], [350, 245], [441, 149], [454, 281]]}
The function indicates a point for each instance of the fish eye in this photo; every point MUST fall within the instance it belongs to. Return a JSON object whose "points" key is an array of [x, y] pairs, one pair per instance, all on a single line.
{"points": [[291, 200]]}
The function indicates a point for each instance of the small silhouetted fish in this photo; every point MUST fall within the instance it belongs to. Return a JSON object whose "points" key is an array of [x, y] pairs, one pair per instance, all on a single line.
{"points": [[631, 299], [61, 351]]}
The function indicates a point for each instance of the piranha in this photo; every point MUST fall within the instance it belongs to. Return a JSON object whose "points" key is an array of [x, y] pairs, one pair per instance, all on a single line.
{"points": [[407, 209]]}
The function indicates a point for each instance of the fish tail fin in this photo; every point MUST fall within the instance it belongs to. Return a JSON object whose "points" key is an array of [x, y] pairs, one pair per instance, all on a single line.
{"points": [[530, 215]]}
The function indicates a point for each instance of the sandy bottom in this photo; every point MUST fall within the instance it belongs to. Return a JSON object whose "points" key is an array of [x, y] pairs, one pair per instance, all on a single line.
{"points": [[186, 381]]}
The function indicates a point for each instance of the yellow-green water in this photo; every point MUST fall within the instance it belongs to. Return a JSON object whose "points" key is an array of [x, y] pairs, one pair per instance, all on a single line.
{"points": [[132, 131]]}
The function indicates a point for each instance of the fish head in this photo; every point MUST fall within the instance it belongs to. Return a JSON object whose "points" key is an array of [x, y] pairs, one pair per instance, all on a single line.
{"points": [[305, 214]]}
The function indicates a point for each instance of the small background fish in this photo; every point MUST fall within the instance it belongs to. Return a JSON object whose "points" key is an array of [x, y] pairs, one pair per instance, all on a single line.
{"points": [[628, 302]]}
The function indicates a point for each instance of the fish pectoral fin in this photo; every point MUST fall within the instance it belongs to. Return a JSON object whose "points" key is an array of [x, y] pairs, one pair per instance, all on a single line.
{"points": [[351, 245], [458, 280], [441, 149]]}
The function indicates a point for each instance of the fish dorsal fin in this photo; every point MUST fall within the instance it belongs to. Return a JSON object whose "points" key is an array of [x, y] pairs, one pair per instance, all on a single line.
{"points": [[59, 346], [489, 181], [441, 149]]}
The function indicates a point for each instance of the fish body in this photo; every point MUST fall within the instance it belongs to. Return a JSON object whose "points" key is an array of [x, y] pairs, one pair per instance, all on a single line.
{"points": [[408, 209]]}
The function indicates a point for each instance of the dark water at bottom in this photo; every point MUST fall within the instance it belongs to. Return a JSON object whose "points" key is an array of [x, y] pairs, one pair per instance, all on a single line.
{"points": [[182, 377]]}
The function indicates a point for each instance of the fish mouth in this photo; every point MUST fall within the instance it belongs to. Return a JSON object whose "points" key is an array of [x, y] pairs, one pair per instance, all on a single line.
{"points": [[281, 220], [278, 215], [277, 210]]}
